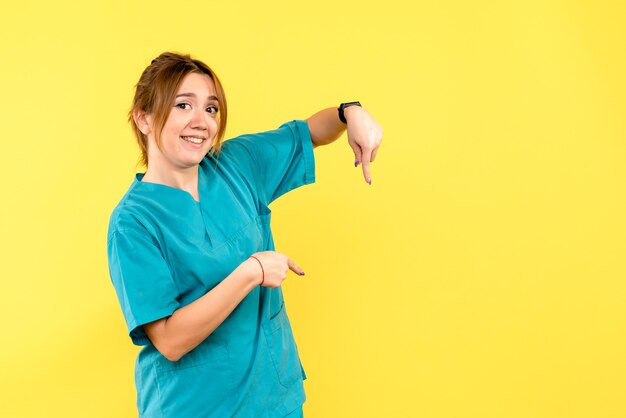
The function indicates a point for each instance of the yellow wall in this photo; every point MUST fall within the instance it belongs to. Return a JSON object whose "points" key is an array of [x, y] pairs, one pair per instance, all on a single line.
{"points": [[481, 275]]}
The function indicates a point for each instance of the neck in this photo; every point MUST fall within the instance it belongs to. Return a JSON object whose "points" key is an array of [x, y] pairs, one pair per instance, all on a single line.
{"points": [[180, 178]]}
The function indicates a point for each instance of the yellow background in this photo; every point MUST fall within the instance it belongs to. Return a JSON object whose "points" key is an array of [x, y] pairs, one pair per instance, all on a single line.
{"points": [[481, 275]]}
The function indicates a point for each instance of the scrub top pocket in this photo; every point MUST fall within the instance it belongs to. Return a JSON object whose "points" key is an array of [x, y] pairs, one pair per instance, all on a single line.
{"points": [[282, 348], [205, 373], [263, 219]]}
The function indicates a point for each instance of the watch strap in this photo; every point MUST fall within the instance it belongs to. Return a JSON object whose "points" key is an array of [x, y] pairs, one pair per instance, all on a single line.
{"points": [[341, 108]]}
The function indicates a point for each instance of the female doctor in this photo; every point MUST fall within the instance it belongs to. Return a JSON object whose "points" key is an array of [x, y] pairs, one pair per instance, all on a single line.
{"points": [[191, 254]]}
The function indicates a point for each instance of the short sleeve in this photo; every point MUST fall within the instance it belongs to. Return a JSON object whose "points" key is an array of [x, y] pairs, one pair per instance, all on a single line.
{"points": [[277, 161], [144, 285]]}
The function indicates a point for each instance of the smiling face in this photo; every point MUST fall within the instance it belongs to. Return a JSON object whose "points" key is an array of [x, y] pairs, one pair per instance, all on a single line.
{"points": [[190, 128]]}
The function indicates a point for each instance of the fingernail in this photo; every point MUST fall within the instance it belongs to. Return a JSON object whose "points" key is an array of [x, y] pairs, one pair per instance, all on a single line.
{"points": [[356, 163], [369, 181], [302, 274]]}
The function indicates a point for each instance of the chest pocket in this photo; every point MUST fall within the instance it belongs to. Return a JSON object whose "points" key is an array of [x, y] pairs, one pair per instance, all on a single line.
{"points": [[263, 220]]}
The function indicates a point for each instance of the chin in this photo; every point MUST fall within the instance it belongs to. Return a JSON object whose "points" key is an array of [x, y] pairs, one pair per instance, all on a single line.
{"points": [[196, 161]]}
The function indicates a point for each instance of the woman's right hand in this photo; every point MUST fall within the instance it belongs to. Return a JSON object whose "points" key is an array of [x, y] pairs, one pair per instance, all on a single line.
{"points": [[275, 268]]}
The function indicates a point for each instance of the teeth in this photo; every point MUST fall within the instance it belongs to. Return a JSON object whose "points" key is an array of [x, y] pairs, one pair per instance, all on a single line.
{"points": [[192, 139]]}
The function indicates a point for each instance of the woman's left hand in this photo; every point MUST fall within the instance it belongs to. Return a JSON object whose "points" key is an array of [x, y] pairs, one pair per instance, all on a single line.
{"points": [[364, 137]]}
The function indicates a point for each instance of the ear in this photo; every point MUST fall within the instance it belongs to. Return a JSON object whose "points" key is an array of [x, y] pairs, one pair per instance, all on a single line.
{"points": [[143, 121]]}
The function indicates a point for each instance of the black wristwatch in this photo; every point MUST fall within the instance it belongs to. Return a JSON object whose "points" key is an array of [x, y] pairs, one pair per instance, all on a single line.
{"points": [[343, 106]]}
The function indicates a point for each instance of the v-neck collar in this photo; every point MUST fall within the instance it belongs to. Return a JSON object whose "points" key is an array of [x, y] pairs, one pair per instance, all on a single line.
{"points": [[225, 208]]}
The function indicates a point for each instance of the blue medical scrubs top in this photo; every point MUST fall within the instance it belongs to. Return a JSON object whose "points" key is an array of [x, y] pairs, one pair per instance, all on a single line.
{"points": [[165, 250]]}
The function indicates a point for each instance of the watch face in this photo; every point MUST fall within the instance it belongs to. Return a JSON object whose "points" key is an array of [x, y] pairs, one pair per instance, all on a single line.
{"points": [[344, 105]]}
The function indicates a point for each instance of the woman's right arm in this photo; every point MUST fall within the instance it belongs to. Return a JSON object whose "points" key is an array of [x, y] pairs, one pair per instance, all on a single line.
{"points": [[188, 326]]}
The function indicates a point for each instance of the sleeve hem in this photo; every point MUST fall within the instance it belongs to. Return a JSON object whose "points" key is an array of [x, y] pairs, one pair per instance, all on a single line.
{"points": [[139, 337], [307, 151]]}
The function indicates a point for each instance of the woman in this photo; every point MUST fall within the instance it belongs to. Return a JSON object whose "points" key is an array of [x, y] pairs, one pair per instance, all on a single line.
{"points": [[191, 251]]}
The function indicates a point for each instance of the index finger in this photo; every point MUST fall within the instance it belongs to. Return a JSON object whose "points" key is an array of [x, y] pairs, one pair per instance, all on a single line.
{"points": [[366, 157], [294, 267]]}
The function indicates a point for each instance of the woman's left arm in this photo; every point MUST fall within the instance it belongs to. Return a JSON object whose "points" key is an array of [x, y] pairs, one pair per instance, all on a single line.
{"points": [[364, 133]]}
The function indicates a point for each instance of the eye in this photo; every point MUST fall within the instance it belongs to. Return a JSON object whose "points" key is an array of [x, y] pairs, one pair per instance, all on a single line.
{"points": [[182, 104], [212, 109]]}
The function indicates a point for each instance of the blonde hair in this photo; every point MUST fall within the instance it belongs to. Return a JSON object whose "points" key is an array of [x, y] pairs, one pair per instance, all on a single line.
{"points": [[156, 90]]}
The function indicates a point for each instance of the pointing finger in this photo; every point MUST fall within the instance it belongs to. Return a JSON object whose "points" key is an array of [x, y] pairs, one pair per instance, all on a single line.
{"points": [[294, 267], [367, 153]]}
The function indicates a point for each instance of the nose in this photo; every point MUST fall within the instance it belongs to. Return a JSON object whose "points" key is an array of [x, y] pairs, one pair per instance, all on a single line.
{"points": [[199, 120]]}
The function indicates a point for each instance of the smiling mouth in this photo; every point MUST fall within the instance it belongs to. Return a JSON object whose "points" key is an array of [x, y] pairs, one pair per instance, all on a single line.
{"points": [[193, 139]]}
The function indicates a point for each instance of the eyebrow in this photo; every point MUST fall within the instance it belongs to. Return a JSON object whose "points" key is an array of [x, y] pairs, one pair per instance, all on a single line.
{"points": [[194, 95]]}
